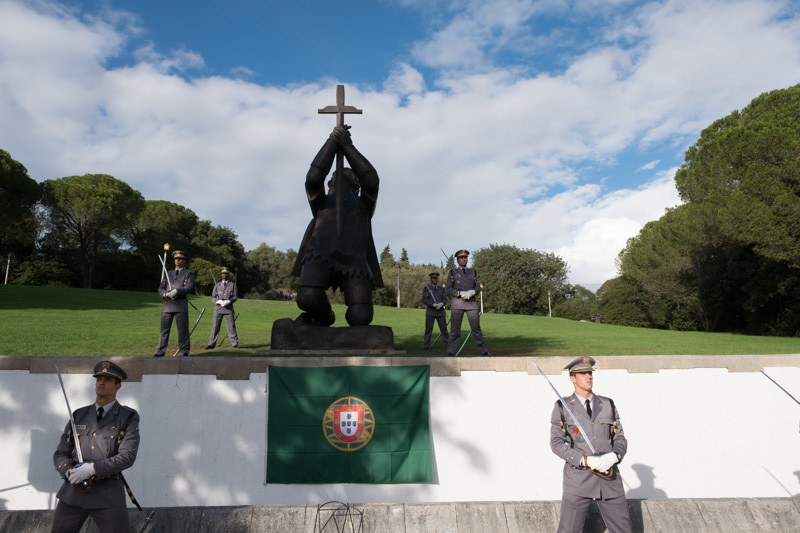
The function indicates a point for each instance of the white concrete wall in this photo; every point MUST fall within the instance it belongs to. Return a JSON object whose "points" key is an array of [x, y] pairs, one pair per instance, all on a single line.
{"points": [[692, 433]]}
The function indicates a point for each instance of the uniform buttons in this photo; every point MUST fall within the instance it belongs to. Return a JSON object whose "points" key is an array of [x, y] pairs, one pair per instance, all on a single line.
{"points": [[93, 446], [594, 438], [94, 434]]}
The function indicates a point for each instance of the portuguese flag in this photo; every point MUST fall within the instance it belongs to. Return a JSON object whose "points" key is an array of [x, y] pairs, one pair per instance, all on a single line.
{"points": [[354, 424]]}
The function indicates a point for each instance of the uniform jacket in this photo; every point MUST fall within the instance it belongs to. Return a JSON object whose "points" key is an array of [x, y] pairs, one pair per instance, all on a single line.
{"points": [[184, 282], [458, 280], [441, 297], [226, 291], [98, 441], [580, 481]]}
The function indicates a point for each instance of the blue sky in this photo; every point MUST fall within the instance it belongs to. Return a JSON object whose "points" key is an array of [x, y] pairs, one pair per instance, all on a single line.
{"points": [[553, 125]]}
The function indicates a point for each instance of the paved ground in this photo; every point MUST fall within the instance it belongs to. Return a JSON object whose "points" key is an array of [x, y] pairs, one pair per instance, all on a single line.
{"points": [[671, 515]]}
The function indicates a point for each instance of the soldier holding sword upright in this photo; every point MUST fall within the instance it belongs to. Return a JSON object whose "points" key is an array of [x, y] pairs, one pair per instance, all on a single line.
{"points": [[107, 443], [435, 298], [223, 295], [585, 431], [173, 289]]}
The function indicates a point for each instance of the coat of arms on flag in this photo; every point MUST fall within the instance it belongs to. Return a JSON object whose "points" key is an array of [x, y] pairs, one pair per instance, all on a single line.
{"points": [[375, 424], [348, 424]]}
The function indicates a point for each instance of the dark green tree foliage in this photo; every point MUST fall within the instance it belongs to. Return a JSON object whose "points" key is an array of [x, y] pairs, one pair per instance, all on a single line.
{"points": [[90, 213], [579, 304], [517, 280], [747, 166], [621, 302], [727, 259], [217, 244], [19, 194], [161, 222], [267, 273], [203, 280], [388, 294]]}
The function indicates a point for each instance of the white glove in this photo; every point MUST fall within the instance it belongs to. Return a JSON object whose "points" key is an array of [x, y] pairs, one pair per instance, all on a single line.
{"points": [[172, 293], [466, 295], [226, 303], [439, 305], [606, 461], [218, 302], [592, 461], [80, 473]]}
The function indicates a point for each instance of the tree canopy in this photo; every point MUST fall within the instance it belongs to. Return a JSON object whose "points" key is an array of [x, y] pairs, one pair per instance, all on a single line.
{"points": [[88, 213], [517, 280], [19, 194], [728, 258]]}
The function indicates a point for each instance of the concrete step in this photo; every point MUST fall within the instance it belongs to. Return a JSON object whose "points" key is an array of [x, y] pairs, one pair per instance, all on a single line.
{"points": [[663, 516]]}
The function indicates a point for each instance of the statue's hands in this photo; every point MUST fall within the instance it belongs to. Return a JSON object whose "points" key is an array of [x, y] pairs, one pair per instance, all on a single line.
{"points": [[342, 135]]}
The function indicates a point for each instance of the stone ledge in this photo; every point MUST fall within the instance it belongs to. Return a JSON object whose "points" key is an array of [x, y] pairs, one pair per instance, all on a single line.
{"points": [[669, 515], [240, 368]]}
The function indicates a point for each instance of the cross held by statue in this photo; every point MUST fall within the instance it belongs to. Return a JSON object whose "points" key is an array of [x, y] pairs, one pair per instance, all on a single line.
{"points": [[340, 110]]}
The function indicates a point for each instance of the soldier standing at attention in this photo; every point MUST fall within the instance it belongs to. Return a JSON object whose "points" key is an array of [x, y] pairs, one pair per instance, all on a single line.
{"points": [[587, 476], [223, 296], [174, 291], [434, 297], [462, 286], [108, 434]]}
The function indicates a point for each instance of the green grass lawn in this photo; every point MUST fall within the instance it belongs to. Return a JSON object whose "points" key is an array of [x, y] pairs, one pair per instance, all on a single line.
{"points": [[61, 321]]}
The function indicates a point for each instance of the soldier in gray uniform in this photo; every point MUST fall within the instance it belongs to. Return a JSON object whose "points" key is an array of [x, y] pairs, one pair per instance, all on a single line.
{"points": [[435, 298], [326, 258], [109, 439], [175, 305], [589, 477], [223, 296], [462, 287]]}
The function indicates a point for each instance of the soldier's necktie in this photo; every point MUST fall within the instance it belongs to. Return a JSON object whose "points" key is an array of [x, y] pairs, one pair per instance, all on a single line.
{"points": [[589, 408], [99, 414]]}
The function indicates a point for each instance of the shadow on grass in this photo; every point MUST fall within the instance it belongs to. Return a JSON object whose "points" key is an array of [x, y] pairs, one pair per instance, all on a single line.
{"points": [[29, 297], [505, 346]]}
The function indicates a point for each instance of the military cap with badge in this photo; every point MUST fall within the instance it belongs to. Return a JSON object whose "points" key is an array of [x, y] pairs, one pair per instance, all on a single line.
{"points": [[109, 369]]}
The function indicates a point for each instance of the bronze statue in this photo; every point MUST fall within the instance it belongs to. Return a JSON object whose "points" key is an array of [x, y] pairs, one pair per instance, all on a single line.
{"points": [[337, 249]]}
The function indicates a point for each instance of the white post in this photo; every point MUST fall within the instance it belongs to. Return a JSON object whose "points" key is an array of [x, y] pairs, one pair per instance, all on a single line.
{"points": [[549, 306], [8, 267], [398, 287]]}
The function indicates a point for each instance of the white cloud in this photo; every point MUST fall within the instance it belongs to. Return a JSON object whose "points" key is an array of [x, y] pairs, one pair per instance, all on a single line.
{"points": [[467, 164]]}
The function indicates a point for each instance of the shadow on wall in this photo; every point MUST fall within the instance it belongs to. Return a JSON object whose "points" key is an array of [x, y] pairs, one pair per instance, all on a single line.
{"points": [[647, 487]]}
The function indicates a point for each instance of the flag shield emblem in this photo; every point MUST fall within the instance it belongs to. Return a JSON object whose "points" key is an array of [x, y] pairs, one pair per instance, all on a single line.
{"points": [[348, 424]]}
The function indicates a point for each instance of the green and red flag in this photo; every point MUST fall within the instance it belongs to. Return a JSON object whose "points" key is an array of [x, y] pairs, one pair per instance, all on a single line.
{"points": [[350, 424]]}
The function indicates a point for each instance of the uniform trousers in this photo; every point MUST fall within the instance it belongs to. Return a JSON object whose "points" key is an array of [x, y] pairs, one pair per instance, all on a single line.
{"points": [[70, 519], [473, 316], [182, 321], [212, 341], [574, 510], [429, 319]]}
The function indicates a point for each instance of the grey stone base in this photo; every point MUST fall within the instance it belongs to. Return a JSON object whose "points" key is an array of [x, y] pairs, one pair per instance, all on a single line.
{"points": [[288, 334], [671, 515]]}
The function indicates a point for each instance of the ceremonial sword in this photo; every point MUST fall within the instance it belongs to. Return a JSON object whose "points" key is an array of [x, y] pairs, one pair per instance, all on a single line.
{"points": [[784, 390], [571, 414], [578, 424], [83, 486], [426, 286], [166, 274]]}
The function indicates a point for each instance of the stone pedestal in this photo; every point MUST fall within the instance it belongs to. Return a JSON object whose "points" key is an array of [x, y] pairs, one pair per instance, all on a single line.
{"points": [[288, 334]]}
